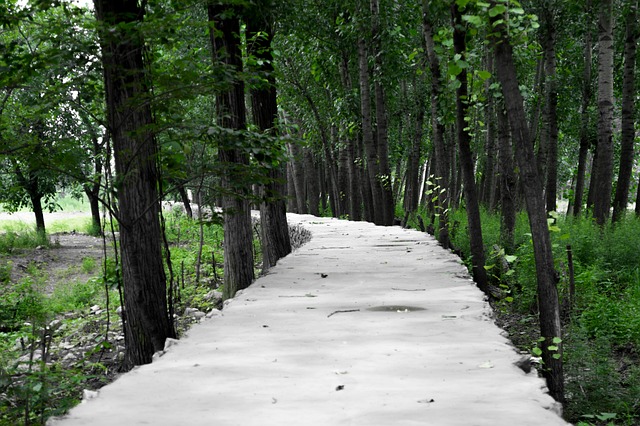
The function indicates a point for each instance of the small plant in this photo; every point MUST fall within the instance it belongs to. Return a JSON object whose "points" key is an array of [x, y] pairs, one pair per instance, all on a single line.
{"points": [[88, 265]]}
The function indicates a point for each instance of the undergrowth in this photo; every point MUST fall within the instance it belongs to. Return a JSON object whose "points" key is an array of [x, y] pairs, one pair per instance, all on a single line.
{"points": [[33, 386]]}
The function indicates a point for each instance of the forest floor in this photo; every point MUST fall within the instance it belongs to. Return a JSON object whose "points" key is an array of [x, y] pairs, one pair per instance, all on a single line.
{"points": [[363, 325]]}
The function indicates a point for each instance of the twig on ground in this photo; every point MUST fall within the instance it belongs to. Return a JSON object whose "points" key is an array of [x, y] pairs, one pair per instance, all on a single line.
{"points": [[342, 312]]}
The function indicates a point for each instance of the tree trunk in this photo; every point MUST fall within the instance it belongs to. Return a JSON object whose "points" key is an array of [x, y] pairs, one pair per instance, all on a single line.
{"points": [[603, 182], [584, 122], [146, 320], [312, 182], [231, 114], [437, 129], [353, 196], [92, 191], [466, 157], [297, 166], [292, 203], [628, 114], [551, 119], [186, 202], [276, 243], [370, 145], [412, 188], [382, 145], [38, 211], [489, 187], [364, 185], [546, 275], [507, 183]]}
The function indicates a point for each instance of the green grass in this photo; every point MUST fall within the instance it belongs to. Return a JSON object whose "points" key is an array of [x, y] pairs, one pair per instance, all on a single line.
{"points": [[11, 240]]}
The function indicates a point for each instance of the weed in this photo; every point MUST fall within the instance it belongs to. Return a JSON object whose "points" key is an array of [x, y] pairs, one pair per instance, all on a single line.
{"points": [[11, 241], [88, 265]]}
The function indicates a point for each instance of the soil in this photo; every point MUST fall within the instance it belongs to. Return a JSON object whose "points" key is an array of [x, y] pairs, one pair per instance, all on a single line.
{"points": [[62, 261]]}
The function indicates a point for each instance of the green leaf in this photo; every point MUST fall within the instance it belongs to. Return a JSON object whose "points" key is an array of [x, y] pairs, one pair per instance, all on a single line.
{"points": [[536, 351], [510, 258], [484, 75], [497, 10], [454, 69], [553, 348], [473, 20], [556, 356], [557, 340], [509, 299]]}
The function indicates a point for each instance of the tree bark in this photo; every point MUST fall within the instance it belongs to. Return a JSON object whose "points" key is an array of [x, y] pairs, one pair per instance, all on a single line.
{"points": [[231, 114], [437, 128], [369, 142], [628, 114], [489, 181], [584, 122], [603, 182], [551, 119], [146, 319], [38, 211], [276, 243], [412, 187], [312, 182], [507, 182], [466, 157], [382, 145], [546, 275], [353, 195]]}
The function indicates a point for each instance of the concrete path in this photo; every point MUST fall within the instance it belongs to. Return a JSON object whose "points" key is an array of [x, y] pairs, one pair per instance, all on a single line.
{"points": [[363, 325]]}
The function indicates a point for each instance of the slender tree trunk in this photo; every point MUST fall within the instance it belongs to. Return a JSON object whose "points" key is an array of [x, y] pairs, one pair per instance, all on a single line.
{"points": [[186, 202], [297, 167], [551, 119], [276, 242], [584, 122], [364, 185], [92, 191], [507, 182], [238, 236], [370, 145], [437, 128], [603, 182], [353, 196], [628, 114], [146, 319], [382, 145], [466, 158], [593, 178], [343, 177], [292, 203], [546, 275], [312, 182], [38, 211], [489, 187], [412, 188]]}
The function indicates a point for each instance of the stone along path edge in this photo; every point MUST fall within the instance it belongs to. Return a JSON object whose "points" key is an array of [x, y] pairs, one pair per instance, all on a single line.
{"points": [[363, 325]]}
